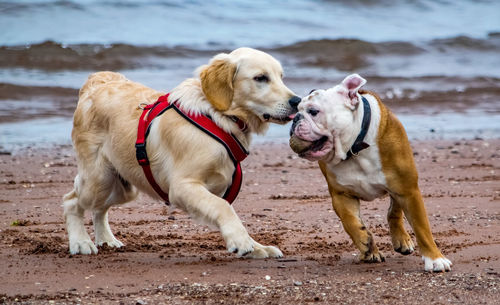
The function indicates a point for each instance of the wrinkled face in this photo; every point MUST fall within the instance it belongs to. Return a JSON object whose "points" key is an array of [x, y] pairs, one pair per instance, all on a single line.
{"points": [[249, 80], [324, 119]]}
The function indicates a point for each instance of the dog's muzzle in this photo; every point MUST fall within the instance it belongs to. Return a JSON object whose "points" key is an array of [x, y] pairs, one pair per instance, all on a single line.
{"points": [[296, 120], [301, 146], [297, 144]]}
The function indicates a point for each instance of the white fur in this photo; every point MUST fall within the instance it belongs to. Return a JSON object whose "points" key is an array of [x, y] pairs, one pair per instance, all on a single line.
{"points": [[363, 173], [437, 265], [191, 100]]}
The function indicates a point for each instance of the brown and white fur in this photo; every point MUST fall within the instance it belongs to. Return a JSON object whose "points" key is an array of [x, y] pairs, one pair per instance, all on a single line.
{"points": [[188, 164], [385, 167]]}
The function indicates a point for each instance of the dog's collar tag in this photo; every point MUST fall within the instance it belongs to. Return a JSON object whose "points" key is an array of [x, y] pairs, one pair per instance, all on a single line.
{"points": [[359, 143]]}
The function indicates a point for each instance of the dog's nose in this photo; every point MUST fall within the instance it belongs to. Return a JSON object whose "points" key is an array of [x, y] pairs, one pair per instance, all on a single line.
{"points": [[294, 101]]}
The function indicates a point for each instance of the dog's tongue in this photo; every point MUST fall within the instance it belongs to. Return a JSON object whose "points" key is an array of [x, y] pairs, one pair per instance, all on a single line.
{"points": [[291, 116]]}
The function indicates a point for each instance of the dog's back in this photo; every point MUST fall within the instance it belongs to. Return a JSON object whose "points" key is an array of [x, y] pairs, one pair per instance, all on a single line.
{"points": [[96, 80], [105, 99], [395, 154]]}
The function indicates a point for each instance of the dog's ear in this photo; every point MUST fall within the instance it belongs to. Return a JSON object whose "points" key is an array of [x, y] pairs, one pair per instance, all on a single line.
{"points": [[217, 82], [352, 84]]}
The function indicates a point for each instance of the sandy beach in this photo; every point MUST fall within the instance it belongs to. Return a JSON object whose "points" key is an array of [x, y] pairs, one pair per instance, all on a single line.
{"points": [[170, 259]]}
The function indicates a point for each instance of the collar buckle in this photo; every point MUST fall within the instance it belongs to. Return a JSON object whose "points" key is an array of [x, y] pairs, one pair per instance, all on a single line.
{"points": [[241, 124]]}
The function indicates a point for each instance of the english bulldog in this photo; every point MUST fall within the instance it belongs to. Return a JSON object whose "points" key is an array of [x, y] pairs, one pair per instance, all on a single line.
{"points": [[364, 153]]}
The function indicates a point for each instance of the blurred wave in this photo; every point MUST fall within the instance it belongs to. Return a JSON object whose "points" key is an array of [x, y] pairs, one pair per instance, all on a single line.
{"points": [[51, 55], [343, 54], [203, 24]]}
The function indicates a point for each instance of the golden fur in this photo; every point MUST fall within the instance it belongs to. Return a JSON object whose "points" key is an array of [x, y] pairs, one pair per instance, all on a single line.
{"points": [[188, 164]]}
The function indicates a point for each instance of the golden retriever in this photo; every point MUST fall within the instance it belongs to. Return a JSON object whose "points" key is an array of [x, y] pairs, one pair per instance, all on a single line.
{"points": [[192, 167]]}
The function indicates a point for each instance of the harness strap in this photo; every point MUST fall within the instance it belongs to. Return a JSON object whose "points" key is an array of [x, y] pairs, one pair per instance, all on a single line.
{"points": [[233, 191], [359, 143], [236, 151]]}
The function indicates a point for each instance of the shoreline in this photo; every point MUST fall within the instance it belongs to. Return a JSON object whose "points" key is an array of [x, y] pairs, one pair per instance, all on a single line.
{"points": [[446, 126]]}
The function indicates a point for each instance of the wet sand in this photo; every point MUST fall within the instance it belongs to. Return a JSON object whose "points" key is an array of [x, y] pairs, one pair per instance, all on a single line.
{"points": [[168, 258]]}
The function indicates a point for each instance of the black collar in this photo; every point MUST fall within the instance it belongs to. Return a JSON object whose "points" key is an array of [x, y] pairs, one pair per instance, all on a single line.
{"points": [[358, 144]]}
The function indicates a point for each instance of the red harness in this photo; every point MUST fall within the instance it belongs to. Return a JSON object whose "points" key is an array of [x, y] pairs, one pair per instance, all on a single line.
{"points": [[234, 148]]}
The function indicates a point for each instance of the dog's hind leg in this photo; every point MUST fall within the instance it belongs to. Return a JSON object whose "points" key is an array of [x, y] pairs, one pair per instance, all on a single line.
{"points": [[401, 240], [414, 210], [122, 192], [93, 185], [79, 239]]}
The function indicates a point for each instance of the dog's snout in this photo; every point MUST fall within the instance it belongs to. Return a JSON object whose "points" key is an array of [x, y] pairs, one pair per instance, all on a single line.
{"points": [[294, 102], [296, 119]]}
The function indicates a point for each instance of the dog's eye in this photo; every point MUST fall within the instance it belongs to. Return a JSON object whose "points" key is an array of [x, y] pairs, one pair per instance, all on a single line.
{"points": [[312, 91], [312, 111], [262, 78]]}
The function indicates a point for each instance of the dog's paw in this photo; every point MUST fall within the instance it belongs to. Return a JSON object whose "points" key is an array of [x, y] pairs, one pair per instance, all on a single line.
{"points": [[369, 257], [261, 251], [403, 245], [241, 250], [273, 252], [111, 242], [237, 239], [241, 245], [440, 264], [84, 246]]}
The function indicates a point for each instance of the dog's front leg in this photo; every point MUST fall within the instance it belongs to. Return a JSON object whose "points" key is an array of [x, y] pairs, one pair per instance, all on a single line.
{"points": [[195, 199], [347, 208]]}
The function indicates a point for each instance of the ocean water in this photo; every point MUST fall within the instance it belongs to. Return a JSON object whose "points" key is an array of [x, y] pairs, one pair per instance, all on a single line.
{"points": [[435, 63], [229, 24]]}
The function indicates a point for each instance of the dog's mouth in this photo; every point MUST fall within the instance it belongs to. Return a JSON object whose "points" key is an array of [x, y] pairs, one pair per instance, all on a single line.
{"points": [[312, 150], [301, 146], [318, 144]]}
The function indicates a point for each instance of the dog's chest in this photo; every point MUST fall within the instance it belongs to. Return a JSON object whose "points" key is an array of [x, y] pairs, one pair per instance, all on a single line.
{"points": [[362, 175]]}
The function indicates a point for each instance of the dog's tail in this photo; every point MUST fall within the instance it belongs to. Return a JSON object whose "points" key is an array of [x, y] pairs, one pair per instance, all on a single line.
{"points": [[96, 80]]}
